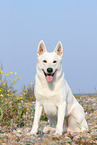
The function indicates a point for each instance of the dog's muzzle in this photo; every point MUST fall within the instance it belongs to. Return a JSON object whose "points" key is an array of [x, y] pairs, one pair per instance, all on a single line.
{"points": [[49, 75]]}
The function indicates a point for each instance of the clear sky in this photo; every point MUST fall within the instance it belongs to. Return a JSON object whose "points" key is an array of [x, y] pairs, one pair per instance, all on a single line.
{"points": [[23, 23]]}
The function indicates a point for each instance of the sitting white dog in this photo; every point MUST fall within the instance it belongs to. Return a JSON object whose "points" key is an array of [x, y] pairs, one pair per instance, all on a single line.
{"points": [[54, 94]]}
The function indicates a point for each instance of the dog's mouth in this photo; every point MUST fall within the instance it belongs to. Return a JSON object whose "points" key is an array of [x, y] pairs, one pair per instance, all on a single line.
{"points": [[49, 76]]}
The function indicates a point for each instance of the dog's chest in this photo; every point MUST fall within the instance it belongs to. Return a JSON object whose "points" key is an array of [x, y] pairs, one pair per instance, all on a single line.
{"points": [[50, 108]]}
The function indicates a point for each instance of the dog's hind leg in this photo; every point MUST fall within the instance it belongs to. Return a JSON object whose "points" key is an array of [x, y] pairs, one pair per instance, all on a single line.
{"points": [[77, 122]]}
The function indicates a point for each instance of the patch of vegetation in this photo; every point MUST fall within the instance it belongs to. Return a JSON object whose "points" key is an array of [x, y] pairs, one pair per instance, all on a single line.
{"points": [[12, 104]]}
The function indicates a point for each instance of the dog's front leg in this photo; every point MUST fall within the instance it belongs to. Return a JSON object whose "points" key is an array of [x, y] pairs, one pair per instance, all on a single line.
{"points": [[38, 111], [61, 116]]}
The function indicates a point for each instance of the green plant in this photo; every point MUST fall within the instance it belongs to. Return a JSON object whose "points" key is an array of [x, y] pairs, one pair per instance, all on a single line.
{"points": [[10, 100]]}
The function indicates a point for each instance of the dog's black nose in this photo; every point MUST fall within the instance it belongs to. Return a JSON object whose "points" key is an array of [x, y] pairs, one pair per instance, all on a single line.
{"points": [[49, 70]]}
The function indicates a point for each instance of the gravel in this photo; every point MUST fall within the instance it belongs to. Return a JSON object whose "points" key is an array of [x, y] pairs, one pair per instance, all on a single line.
{"points": [[17, 136]]}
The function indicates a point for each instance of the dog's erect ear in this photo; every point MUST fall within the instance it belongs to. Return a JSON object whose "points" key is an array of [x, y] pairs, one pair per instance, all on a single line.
{"points": [[59, 49], [41, 48]]}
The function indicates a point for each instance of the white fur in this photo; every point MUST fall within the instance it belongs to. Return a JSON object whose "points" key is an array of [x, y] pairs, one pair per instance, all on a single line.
{"points": [[63, 110]]}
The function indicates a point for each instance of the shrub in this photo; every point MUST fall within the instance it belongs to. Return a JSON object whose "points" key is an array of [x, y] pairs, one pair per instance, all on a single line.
{"points": [[10, 100]]}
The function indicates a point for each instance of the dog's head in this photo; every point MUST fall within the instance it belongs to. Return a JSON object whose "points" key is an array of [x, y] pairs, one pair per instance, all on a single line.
{"points": [[49, 62]]}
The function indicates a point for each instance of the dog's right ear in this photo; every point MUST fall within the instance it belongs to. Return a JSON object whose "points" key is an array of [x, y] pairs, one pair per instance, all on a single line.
{"points": [[59, 49], [41, 48]]}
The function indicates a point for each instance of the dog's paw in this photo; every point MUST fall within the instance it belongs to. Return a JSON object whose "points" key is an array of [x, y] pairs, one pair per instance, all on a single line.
{"points": [[58, 132], [32, 133]]}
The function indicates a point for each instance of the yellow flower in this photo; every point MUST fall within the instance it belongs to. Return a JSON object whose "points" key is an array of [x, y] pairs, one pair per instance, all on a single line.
{"points": [[8, 91], [21, 101], [7, 75], [1, 71], [31, 83], [18, 78], [2, 81], [2, 95], [0, 90], [15, 73], [10, 79], [5, 102], [15, 80], [2, 101], [24, 93], [8, 95], [11, 73]]}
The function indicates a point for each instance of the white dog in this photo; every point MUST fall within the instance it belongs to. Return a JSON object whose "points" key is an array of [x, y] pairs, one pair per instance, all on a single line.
{"points": [[54, 94]]}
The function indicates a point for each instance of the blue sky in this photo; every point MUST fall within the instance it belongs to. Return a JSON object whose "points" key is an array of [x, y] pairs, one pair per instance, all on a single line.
{"points": [[23, 23]]}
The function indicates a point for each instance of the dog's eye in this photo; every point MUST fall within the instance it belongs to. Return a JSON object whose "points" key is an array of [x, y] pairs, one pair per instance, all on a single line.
{"points": [[44, 61], [54, 61]]}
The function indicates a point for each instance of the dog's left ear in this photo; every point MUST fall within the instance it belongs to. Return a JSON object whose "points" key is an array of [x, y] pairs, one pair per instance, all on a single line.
{"points": [[41, 48], [59, 49]]}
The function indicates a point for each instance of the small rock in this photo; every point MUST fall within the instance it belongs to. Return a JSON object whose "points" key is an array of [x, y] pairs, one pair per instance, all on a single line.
{"points": [[19, 130], [13, 138]]}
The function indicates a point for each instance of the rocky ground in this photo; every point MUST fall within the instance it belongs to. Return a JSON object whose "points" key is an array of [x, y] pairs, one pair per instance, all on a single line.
{"points": [[18, 136]]}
